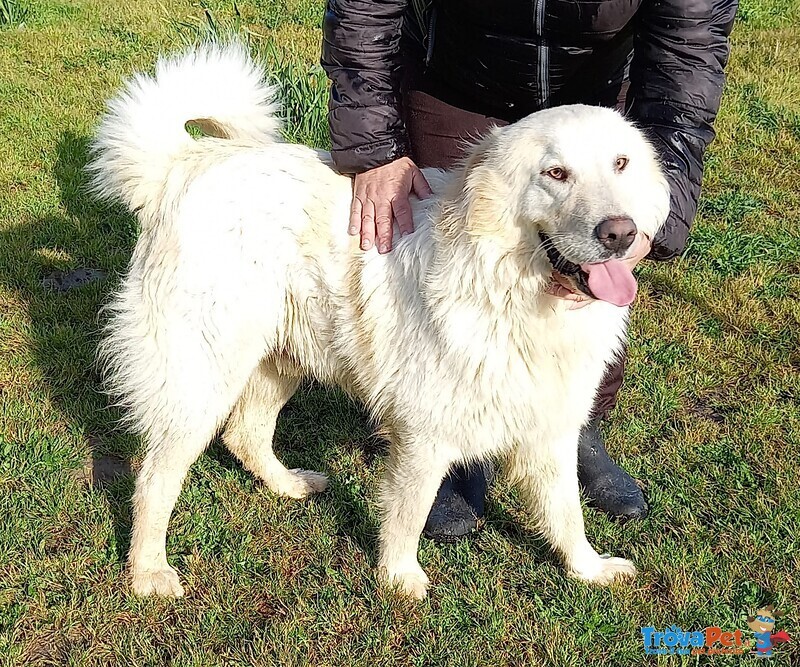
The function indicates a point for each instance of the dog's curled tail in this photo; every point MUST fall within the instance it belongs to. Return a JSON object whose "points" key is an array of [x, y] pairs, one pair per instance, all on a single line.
{"points": [[143, 134]]}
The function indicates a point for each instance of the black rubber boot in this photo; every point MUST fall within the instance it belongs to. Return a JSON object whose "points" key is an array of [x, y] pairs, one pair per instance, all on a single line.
{"points": [[459, 505], [607, 486]]}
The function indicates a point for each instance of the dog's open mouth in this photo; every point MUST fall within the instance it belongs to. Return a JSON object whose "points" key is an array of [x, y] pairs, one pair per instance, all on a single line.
{"points": [[609, 281]]}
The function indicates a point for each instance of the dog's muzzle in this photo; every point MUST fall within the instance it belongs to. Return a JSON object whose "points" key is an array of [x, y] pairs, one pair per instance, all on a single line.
{"points": [[564, 266]]}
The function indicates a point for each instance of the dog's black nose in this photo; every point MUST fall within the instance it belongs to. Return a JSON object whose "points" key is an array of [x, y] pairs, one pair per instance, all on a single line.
{"points": [[616, 234]]}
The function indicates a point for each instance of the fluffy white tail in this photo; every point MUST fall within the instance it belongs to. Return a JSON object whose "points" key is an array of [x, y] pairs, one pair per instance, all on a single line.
{"points": [[143, 132]]}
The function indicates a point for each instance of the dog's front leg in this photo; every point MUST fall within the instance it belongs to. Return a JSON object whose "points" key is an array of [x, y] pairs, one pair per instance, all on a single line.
{"points": [[547, 472], [414, 474]]}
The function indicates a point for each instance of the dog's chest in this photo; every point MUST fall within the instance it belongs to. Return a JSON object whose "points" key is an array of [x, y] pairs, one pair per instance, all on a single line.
{"points": [[540, 377]]}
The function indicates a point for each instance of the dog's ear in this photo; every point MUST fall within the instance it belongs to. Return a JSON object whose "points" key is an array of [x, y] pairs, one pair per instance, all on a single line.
{"points": [[478, 152], [479, 205]]}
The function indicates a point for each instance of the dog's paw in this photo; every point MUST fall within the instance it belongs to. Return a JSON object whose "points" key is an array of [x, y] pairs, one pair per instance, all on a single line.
{"points": [[164, 582], [604, 570], [299, 483], [413, 584]]}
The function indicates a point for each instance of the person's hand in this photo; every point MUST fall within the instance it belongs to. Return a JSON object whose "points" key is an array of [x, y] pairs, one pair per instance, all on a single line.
{"points": [[638, 251], [561, 287], [380, 196]]}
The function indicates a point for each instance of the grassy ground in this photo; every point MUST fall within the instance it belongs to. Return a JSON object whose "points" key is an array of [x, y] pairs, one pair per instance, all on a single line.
{"points": [[709, 418]]}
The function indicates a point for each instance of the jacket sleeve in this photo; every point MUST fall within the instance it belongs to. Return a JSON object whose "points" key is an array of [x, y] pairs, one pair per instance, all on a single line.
{"points": [[679, 56], [361, 55]]}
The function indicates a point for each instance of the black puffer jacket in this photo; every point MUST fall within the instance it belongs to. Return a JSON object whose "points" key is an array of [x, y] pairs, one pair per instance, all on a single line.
{"points": [[508, 58]]}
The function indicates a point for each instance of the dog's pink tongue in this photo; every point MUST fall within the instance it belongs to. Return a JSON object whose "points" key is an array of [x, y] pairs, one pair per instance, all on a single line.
{"points": [[611, 281]]}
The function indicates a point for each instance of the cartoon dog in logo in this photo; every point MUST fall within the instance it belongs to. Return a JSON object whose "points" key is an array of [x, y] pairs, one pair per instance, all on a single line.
{"points": [[762, 625]]}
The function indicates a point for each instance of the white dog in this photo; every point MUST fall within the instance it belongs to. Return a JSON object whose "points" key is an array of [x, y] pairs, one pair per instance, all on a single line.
{"points": [[244, 280]]}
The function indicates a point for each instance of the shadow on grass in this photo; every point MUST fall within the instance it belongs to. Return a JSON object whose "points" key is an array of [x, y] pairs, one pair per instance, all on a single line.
{"points": [[65, 329], [707, 302]]}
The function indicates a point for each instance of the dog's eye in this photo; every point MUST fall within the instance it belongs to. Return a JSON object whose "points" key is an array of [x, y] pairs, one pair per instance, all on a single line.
{"points": [[557, 173], [621, 163]]}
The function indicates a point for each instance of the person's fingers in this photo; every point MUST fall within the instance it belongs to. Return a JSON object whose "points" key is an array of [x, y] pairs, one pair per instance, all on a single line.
{"points": [[355, 216], [645, 246], [367, 224], [563, 281], [638, 251], [575, 300], [420, 185], [562, 289], [402, 213], [580, 303], [383, 225], [554, 289]]}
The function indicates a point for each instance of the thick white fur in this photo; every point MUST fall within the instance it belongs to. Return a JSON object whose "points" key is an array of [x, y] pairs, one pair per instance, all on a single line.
{"points": [[244, 280]]}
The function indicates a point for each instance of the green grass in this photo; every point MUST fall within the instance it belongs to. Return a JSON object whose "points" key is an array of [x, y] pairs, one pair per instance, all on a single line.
{"points": [[12, 13], [709, 419], [303, 86]]}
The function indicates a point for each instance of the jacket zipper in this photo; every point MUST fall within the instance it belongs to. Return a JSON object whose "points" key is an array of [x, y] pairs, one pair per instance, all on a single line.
{"points": [[431, 39], [544, 55]]}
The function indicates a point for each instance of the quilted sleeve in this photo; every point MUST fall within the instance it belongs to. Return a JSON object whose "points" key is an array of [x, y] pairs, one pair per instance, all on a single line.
{"points": [[361, 55], [680, 53]]}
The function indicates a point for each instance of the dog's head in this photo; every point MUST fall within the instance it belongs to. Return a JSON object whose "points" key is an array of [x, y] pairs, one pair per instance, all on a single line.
{"points": [[575, 184]]}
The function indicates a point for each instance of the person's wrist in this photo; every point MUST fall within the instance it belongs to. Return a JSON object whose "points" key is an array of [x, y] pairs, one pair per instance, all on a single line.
{"points": [[374, 164], [401, 161]]}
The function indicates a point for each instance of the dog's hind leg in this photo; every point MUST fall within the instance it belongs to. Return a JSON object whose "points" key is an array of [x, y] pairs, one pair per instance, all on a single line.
{"points": [[413, 476], [188, 398], [158, 485], [548, 477], [251, 428]]}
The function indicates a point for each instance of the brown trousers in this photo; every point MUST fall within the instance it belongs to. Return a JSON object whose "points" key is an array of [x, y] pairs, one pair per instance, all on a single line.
{"points": [[439, 134]]}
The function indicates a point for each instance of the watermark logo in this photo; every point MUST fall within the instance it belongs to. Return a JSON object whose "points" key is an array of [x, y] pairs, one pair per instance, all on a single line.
{"points": [[762, 625], [709, 641], [713, 640]]}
